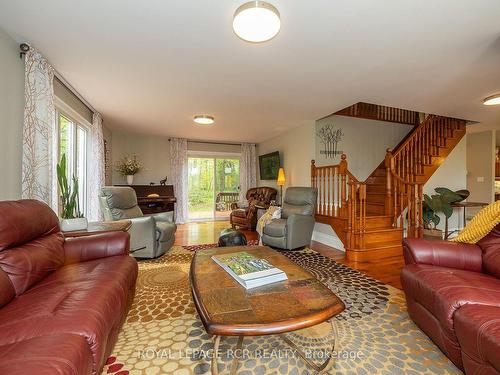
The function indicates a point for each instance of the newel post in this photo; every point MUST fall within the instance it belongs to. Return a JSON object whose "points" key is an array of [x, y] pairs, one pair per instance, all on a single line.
{"points": [[388, 186], [343, 181], [313, 173]]}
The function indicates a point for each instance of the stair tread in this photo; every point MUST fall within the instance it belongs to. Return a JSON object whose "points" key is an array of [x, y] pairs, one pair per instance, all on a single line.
{"points": [[379, 230]]}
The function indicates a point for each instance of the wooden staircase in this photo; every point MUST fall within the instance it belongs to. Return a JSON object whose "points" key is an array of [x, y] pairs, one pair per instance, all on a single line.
{"points": [[372, 217]]}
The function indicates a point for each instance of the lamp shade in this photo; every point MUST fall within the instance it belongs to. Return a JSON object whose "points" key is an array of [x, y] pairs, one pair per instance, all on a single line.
{"points": [[281, 177]]}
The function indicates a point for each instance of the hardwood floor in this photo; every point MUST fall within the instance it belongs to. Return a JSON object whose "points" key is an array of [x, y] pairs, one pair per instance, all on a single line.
{"points": [[387, 270]]}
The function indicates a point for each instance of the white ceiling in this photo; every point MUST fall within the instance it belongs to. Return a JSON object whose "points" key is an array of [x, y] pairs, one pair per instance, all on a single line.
{"points": [[149, 66]]}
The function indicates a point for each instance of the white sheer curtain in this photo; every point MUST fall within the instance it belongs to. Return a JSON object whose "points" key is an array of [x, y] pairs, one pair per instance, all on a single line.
{"points": [[96, 174], [179, 172], [248, 168], [39, 132]]}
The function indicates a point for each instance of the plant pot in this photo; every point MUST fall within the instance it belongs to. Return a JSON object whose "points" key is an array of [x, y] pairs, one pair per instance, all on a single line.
{"points": [[130, 179], [433, 234], [69, 225]]}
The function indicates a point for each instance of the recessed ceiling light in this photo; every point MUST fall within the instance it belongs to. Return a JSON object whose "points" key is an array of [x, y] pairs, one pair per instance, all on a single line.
{"points": [[204, 119], [256, 21], [492, 100]]}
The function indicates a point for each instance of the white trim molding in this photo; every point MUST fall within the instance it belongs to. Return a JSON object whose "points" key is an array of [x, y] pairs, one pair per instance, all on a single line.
{"points": [[328, 239]]}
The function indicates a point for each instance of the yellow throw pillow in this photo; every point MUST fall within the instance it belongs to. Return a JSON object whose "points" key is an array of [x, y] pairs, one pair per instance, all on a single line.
{"points": [[481, 224]]}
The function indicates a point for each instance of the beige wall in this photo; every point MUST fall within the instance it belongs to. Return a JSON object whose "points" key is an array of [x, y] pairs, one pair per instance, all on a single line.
{"points": [[364, 142], [11, 117], [152, 151], [480, 166], [296, 148]]}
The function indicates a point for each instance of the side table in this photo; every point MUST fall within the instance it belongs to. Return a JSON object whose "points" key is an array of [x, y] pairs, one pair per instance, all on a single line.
{"points": [[98, 227]]}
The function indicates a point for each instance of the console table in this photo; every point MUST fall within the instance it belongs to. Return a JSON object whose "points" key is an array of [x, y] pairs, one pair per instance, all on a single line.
{"points": [[464, 206]]}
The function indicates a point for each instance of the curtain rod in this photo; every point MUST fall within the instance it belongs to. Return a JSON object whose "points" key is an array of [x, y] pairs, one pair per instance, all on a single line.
{"points": [[212, 143], [24, 47]]}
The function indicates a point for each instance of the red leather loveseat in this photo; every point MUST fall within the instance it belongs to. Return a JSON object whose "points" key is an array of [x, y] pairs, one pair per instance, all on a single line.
{"points": [[453, 294], [62, 302]]}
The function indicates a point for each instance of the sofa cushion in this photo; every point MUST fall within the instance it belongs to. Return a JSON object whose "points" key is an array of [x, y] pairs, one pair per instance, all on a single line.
{"points": [[478, 331], [490, 245], [276, 228], [24, 221], [29, 263], [62, 354], [7, 292], [444, 290], [88, 299]]}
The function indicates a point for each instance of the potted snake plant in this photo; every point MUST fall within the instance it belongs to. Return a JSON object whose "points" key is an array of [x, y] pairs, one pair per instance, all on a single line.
{"points": [[71, 217]]}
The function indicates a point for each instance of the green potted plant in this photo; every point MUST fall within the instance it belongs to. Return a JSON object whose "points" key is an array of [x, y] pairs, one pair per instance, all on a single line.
{"points": [[71, 216], [128, 167], [439, 203]]}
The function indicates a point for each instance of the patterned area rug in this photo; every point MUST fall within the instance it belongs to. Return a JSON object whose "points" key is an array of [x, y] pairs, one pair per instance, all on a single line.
{"points": [[163, 335]]}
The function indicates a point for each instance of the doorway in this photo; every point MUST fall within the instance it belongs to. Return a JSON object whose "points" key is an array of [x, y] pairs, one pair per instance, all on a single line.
{"points": [[213, 184]]}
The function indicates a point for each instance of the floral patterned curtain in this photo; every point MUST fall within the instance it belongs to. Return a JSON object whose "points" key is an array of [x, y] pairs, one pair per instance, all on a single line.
{"points": [[178, 169], [248, 168], [39, 132], [96, 173]]}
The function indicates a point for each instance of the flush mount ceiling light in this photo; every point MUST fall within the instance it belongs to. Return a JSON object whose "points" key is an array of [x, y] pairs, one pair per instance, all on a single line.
{"points": [[204, 119], [492, 100], [256, 21]]}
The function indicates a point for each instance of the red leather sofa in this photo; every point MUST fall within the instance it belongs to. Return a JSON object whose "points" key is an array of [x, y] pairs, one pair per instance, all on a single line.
{"points": [[453, 294], [62, 302]]}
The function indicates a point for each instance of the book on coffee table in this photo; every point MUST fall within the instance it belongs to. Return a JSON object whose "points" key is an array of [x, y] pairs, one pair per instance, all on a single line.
{"points": [[249, 271]]}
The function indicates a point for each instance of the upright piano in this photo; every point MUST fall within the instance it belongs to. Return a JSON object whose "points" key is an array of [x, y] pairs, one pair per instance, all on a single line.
{"points": [[153, 199]]}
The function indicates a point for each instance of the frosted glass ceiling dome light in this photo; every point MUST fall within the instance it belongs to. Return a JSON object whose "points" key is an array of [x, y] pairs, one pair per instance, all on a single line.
{"points": [[204, 119], [256, 21], [492, 100]]}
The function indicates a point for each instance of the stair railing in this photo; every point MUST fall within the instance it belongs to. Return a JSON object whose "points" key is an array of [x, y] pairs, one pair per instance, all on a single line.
{"points": [[412, 155], [404, 201], [404, 192], [341, 195]]}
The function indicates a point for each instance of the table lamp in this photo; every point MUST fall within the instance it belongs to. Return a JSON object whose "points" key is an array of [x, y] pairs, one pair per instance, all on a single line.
{"points": [[281, 181]]}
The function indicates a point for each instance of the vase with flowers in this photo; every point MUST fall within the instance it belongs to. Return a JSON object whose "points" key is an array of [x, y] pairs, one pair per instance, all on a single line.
{"points": [[128, 167]]}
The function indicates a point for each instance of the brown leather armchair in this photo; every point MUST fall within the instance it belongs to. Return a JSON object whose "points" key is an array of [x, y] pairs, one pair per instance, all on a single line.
{"points": [[246, 217], [453, 294]]}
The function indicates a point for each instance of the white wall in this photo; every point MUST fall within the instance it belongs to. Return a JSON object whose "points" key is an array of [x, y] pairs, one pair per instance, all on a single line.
{"points": [[296, 148], [481, 166], [364, 142], [452, 174], [11, 117], [152, 151]]}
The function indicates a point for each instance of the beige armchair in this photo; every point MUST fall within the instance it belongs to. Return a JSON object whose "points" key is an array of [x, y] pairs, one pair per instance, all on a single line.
{"points": [[295, 228], [151, 235]]}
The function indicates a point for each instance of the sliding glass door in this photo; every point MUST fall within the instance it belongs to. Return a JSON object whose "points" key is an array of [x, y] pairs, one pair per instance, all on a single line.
{"points": [[213, 184]]}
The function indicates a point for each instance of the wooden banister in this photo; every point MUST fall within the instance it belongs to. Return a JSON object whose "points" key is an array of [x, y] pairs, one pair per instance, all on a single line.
{"points": [[372, 214]]}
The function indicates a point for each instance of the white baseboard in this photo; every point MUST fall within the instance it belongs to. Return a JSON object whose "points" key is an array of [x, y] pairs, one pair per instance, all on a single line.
{"points": [[328, 239]]}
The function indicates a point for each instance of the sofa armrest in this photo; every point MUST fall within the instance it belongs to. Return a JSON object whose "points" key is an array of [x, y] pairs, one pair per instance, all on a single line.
{"points": [[443, 253], [299, 229], [166, 217], [142, 233], [83, 249]]}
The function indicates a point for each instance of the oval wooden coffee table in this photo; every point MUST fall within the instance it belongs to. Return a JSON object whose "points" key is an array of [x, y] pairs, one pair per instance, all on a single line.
{"points": [[228, 309]]}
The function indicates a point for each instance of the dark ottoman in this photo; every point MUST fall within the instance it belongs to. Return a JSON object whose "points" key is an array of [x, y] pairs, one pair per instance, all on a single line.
{"points": [[232, 237]]}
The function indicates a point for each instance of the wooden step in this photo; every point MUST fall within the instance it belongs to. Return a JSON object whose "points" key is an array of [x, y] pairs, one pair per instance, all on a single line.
{"points": [[376, 188], [378, 222], [375, 197], [376, 253], [383, 237]]}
